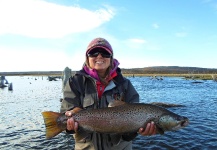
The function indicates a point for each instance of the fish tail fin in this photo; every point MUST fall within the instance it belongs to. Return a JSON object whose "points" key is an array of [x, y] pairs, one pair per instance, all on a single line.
{"points": [[50, 120]]}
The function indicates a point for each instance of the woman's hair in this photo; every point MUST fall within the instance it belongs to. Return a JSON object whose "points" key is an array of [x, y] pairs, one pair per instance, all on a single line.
{"points": [[107, 73], [103, 44]]}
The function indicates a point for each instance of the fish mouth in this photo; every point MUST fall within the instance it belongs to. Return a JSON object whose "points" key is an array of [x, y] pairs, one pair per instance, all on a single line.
{"points": [[184, 123], [181, 124]]}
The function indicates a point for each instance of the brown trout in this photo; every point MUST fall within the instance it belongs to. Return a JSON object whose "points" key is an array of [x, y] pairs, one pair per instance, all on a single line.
{"points": [[119, 119]]}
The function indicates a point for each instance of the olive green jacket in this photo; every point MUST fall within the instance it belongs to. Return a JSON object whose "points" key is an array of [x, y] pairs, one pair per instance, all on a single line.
{"points": [[80, 91]]}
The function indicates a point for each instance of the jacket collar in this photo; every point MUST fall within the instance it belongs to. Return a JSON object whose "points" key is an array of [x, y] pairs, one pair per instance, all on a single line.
{"points": [[93, 73]]}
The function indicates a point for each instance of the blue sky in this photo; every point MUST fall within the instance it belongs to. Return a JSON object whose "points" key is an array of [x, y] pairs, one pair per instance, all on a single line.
{"points": [[48, 35]]}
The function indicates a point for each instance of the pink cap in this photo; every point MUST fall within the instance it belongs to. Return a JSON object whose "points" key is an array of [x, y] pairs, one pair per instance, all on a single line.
{"points": [[99, 43]]}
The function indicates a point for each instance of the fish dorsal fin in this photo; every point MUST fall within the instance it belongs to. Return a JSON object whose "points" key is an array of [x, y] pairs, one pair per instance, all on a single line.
{"points": [[115, 103], [76, 110]]}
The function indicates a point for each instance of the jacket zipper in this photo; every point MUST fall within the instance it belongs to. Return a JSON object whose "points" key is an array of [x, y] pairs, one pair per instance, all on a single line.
{"points": [[97, 96]]}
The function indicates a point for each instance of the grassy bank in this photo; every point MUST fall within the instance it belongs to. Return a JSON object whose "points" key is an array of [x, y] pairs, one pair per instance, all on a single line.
{"points": [[187, 76], [60, 73]]}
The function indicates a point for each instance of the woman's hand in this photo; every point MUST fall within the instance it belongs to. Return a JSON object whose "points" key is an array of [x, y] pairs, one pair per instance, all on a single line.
{"points": [[149, 130], [71, 123]]}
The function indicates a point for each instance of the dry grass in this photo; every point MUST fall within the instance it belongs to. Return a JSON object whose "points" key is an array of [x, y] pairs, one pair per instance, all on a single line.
{"points": [[60, 73], [187, 76]]}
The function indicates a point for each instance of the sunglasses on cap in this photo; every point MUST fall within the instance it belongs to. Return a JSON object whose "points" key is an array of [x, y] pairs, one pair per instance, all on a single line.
{"points": [[96, 52]]}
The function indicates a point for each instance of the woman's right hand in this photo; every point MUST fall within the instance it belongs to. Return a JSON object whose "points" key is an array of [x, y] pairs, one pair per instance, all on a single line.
{"points": [[71, 123]]}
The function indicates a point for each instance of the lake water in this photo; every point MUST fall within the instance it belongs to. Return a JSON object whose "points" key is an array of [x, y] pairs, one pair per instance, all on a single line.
{"points": [[22, 126]]}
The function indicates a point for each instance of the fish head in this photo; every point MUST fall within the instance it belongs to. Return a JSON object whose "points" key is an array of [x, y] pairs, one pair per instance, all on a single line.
{"points": [[170, 122]]}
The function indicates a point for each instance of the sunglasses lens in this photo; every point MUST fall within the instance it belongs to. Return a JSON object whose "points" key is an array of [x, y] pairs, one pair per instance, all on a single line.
{"points": [[106, 55], [93, 54], [103, 53]]}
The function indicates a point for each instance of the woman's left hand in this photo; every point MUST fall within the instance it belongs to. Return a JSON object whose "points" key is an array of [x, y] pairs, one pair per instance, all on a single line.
{"points": [[149, 130]]}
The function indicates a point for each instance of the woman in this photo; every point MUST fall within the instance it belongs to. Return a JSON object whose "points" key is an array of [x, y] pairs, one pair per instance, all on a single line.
{"points": [[99, 82]]}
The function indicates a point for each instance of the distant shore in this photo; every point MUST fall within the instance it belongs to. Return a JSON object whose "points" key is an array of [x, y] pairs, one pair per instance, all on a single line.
{"points": [[189, 72], [32, 73], [153, 75]]}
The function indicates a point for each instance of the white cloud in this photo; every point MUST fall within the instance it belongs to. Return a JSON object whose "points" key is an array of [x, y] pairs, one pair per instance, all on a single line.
{"points": [[181, 34], [134, 43], [140, 44], [138, 41], [155, 25], [41, 19], [35, 60]]}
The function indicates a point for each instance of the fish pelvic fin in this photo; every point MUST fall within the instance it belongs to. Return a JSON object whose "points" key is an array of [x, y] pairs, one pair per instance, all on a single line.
{"points": [[115, 103], [50, 120]]}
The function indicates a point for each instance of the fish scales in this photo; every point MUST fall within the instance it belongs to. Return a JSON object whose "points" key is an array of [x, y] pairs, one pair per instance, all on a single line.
{"points": [[124, 118], [120, 119]]}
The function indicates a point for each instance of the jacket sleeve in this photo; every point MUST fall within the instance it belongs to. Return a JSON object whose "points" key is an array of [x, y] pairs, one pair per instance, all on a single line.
{"points": [[71, 98], [131, 95]]}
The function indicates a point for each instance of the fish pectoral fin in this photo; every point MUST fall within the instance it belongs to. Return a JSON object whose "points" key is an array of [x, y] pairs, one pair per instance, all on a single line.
{"points": [[115, 103]]}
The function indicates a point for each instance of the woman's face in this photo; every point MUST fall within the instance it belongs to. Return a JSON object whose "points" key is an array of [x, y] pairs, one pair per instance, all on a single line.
{"points": [[99, 60]]}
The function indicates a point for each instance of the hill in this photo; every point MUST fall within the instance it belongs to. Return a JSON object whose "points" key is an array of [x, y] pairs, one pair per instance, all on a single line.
{"points": [[169, 70], [145, 70]]}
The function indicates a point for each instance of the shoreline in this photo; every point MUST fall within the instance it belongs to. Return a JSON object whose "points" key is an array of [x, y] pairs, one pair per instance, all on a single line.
{"points": [[205, 76], [32, 73]]}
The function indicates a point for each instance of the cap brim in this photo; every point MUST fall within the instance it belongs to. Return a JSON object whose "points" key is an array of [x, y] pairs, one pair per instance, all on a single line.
{"points": [[109, 51]]}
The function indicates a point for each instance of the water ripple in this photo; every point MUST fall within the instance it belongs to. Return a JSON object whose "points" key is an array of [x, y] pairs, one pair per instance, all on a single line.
{"points": [[22, 125]]}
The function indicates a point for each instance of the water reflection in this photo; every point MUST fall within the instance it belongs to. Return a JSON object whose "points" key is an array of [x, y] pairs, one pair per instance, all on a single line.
{"points": [[22, 127]]}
